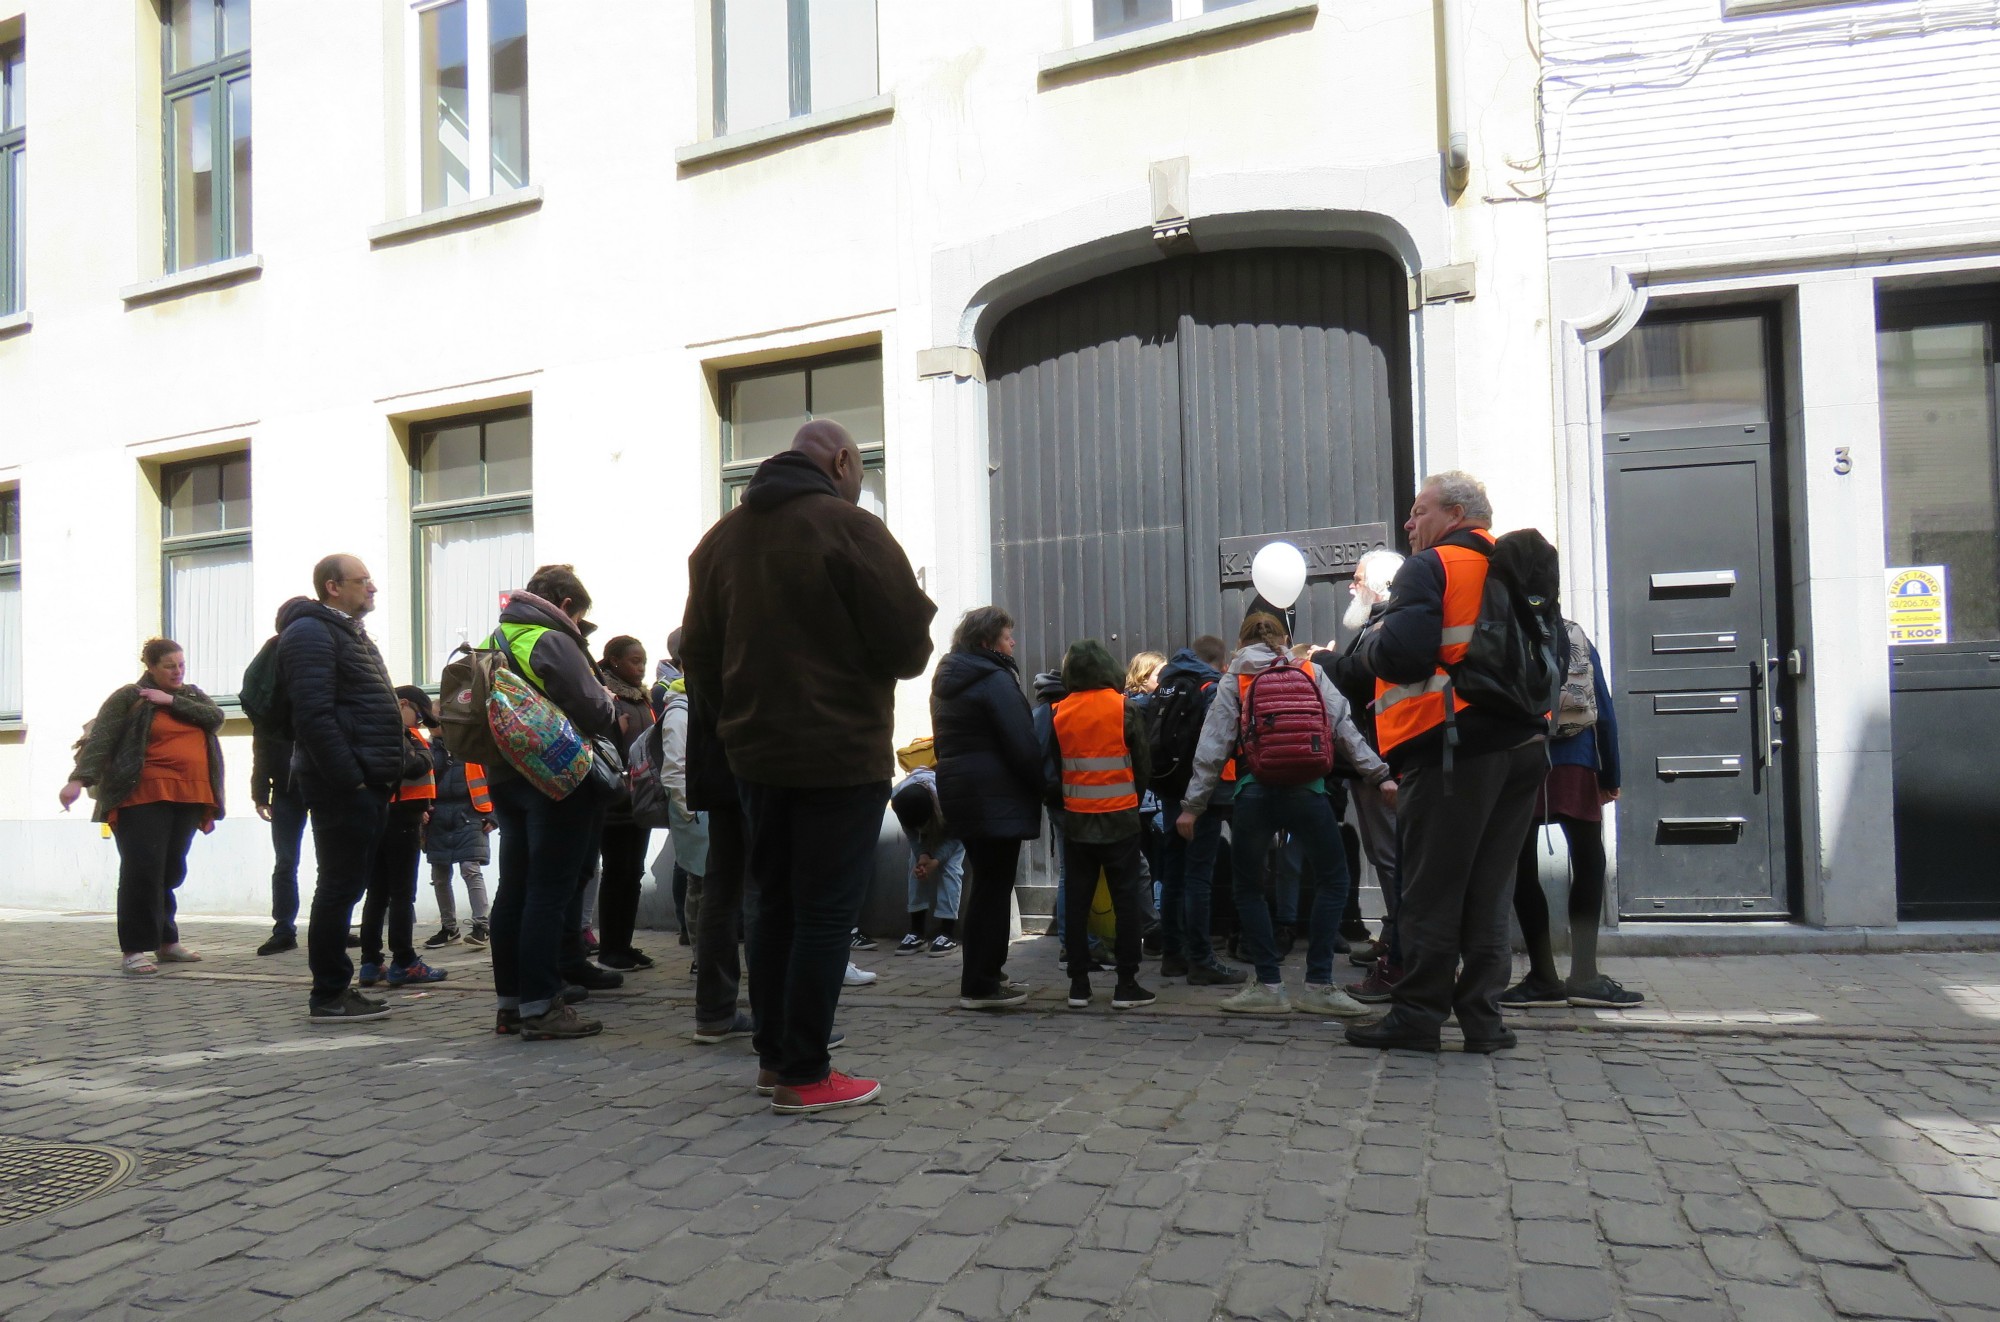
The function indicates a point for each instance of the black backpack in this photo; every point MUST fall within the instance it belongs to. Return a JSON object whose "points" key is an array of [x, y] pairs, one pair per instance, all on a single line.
{"points": [[263, 694], [1517, 660], [1173, 727]]}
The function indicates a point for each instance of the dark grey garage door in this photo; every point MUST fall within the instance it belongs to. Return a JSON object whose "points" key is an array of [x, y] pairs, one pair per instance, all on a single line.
{"points": [[1140, 419]]}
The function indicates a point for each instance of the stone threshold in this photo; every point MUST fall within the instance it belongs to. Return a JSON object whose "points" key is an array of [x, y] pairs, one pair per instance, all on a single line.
{"points": [[1768, 938]]}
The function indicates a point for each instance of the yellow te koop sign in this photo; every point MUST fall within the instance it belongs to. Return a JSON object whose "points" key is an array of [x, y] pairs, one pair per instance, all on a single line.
{"points": [[1918, 607]]}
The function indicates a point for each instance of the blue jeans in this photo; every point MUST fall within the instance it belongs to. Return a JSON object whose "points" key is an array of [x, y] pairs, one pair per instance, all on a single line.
{"points": [[544, 846], [1291, 867], [1186, 874], [1260, 812], [288, 829], [811, 858], [940, 895]]}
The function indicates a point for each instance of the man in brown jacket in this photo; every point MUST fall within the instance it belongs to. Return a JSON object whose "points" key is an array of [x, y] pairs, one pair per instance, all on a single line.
{"points": [[802, 614]]}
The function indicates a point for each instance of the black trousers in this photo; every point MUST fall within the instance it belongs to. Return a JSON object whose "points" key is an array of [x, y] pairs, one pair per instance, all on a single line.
{"points": [[623, 859], [983, 914], [153, 841], [288, 830], [719, 921], [1120, 863], [347, 824], [392, 886], [1459, 855]]}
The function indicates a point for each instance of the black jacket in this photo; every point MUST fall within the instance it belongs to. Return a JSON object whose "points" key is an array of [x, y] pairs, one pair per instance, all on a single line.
{"points": [[1401, 646], [347, 728], [710, 782], [989, 770], [270, 767]]}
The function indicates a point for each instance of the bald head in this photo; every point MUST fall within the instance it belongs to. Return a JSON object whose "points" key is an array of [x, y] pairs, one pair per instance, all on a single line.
{"points": [[834, 453]]}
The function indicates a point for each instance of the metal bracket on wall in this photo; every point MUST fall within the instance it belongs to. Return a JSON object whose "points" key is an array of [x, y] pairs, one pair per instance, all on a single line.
{"points": [[1171, 226]]}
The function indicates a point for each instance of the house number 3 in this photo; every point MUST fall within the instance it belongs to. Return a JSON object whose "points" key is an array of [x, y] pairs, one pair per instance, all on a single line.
{"points": [[1843, 460]]}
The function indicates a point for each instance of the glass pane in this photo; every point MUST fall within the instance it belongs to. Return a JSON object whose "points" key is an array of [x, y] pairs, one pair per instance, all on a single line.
{"points": [[1208, 6], [10, 644], [239, 164], [875, 492], [209, 615], [190, 33], [765, 412], [193, 241], [508, 465], [193, 498], [466, 566], [756, 78], [10, 526], [508, 47], [1116, 16], [13, 247], [1687, 374], [235, 26], [448, 465], [14, 113], [235, 493], [446, 105], [842, 43], [1938, 443], [851, 395]]}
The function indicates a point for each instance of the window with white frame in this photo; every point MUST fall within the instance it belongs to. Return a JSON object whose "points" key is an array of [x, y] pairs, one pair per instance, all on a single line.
{"points": [[205, 569], [206, 82], [10, 604], [1114, 18], [472, 100], [776, 60], [473, 524], [764, 407], [13, 175]]}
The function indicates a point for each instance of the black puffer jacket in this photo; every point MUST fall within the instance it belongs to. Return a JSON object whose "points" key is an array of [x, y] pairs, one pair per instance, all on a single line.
{"points": [[989, 772], [348, 730]]}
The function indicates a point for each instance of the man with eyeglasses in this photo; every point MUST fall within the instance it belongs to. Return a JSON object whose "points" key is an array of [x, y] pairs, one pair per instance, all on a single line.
{"points": [[347, 759]]}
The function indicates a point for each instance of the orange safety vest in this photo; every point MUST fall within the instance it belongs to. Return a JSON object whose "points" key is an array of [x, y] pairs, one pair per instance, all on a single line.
{"points": [[475, 786], [1404, 711], [1243, 684], [1096, 764], [419, 787]]}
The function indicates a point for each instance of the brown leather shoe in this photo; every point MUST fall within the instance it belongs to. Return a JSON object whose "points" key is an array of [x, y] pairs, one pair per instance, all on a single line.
{"points": [[767, 1082]]}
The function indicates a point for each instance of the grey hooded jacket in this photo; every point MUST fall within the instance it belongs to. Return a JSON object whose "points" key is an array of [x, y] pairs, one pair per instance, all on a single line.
{"points": [[1218, 733]]}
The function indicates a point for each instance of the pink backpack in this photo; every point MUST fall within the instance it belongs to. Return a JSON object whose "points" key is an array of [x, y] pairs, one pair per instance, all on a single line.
{"points": [[1282, 733]]}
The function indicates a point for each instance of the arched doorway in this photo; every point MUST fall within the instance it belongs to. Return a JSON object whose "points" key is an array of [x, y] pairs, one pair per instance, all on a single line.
{"points": [[1140, 420]]}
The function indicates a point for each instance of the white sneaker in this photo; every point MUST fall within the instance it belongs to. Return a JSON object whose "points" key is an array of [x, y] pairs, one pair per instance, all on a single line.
{"points": [[139, 963], [1330, 1000], [1256, 998], [858, 977]]}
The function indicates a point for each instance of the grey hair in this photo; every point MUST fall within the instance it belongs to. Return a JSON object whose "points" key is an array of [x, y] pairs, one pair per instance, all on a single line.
{"points": [[1465, 491]]}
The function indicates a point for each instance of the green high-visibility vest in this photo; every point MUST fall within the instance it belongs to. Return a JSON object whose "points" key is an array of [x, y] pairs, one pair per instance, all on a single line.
{"points": [[518, 641]]}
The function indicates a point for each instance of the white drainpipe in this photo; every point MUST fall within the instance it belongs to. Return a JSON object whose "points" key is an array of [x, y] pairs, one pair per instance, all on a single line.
{"points": [[1458, 136]]}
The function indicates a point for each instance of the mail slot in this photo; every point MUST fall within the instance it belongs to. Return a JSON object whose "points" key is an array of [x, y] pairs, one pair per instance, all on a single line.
{"points": [[1726, 764], [1705, 825], [1683, 704], [1694, 642], [1694, 578]]}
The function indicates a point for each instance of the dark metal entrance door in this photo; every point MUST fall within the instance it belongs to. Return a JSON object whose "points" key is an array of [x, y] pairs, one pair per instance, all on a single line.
{"points": [[1138, 419], [1942, 460], [1699, 649]]}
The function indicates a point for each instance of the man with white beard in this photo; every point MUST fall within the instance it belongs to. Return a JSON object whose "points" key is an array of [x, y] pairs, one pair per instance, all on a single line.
{"points": [[1374, 815]]}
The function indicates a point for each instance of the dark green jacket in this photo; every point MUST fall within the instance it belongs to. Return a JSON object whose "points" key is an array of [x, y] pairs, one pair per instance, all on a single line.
{"points": [[114, 752]]}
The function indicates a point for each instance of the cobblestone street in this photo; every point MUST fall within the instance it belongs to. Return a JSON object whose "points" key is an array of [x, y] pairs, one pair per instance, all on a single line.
{"points": [[1773, 1137]]}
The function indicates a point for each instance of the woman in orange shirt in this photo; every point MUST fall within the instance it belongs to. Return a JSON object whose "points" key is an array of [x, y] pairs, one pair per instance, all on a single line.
{"points": [[154, 764]]}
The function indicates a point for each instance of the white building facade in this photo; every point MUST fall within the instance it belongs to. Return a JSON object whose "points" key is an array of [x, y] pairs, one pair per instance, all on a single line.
{"points": [[1774, 231], [465, 286]]}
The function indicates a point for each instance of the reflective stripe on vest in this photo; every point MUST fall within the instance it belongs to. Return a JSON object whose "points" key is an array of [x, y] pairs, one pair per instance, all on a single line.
{"points": [[1404, 711], [419, 787], [1096, 765], [475, 787]]}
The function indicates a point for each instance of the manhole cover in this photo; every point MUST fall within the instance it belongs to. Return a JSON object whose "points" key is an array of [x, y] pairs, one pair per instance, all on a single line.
{"points": [[40, 1177]]}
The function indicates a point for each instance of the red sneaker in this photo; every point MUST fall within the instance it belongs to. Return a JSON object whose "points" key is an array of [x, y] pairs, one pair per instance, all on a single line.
{"points": [[835, 1090], [1377, 986]]}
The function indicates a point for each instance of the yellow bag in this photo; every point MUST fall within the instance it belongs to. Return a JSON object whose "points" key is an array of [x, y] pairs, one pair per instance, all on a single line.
{"points": [[920, 752], [1103, 917]]}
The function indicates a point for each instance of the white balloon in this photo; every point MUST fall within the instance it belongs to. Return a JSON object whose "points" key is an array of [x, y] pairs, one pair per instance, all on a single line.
{"points": [[1279, 573]]}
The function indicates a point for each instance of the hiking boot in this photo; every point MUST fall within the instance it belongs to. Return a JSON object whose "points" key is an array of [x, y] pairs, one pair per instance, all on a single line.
{"points": [[478, 937], [940, 946], [176, 953], [1486, 1046], [445, 936], [1378, 986], [278, 943], [1216, 975], [368, 974], [834, 1091], [414, 971], [1079, 993], [855, 940], [911, 944], [1528, 994], [1392, 1033], [1329, 1000], [1129, 995], [709, 1034], [139, 964], [856, 977], [1600, 993], [1256, 998], [1173, 966], [1364, 956], [998, 999], [557, 1022], [507, 1023], [351, 1008], [592, 978]]}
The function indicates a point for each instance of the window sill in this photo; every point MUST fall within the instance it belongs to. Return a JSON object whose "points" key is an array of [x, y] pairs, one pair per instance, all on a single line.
{"points": [[1749, 8], [16, 323], [787, 131], [466, 214], [1147, 41], [13, 725], [213, 276]]}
